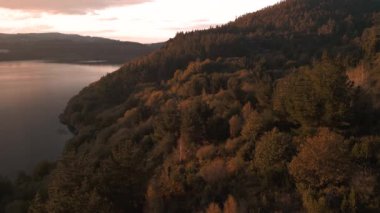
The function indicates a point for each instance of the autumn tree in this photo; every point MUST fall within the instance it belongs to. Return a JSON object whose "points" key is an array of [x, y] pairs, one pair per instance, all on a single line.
{"points": [[167, 121], [322, 160], [235, 126], [320, 96], [231, 205], [193, 118], [322, 165], [273, 151], [214, 171], [214, 208], [369, 41], [247, 110], [154, 202], [256, 123]]}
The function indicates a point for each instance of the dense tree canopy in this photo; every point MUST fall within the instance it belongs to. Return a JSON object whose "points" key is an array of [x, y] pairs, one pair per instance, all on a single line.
{"points": [[316, 97]]}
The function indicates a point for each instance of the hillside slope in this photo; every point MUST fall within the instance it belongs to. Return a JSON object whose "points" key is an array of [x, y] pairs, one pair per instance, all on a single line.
{"points": [[276, 111], [69, 48]]}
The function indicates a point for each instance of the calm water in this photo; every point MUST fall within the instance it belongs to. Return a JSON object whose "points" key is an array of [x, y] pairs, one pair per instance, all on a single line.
{"points": [[32, 95]]}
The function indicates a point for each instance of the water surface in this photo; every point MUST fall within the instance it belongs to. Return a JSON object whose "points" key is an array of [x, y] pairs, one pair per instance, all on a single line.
{"points": [[32, 95]]}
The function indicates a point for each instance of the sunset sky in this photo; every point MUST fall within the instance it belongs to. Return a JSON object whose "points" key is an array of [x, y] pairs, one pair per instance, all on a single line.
{"points": [[144, 21]]}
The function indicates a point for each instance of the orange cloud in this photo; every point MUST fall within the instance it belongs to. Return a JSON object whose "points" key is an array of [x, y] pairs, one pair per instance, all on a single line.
{"points": [[65, 6]]}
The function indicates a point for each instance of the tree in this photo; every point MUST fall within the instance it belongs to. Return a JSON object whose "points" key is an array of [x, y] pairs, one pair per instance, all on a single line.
{"points": [[369, 41], [214, 171], [37, 205], [206, 152], [192, 121], [320, 96], [213, 208], [235, 126], [154, 203], [322, 161], [230, 205], [247, 110], [322, 170], [167, 121], [273, 151], [256, 123]]}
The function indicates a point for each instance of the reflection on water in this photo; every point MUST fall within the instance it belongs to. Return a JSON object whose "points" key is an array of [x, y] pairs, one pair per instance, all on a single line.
{"points": [[32, 95]]}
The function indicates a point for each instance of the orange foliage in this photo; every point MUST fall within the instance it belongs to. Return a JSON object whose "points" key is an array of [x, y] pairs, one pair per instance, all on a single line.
{"points": [[206, 152], [322, 161], [213, 208], [214, 171]]}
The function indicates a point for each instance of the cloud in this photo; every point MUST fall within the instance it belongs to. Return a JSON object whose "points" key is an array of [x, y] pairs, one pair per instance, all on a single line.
{"points": [[22, 16], [65, 6], [29, 29]]}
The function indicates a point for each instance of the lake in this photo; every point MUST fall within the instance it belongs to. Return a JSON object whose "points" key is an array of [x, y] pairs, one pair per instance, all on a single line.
{"points": [[32, 95]]}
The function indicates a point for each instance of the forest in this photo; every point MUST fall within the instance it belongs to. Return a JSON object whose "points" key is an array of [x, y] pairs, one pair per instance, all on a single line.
{"points": [[277, 111], [69, 48]]}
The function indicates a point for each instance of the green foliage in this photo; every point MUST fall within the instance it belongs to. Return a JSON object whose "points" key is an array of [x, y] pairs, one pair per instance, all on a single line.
{"points": [[317, 97], [273, 151]]}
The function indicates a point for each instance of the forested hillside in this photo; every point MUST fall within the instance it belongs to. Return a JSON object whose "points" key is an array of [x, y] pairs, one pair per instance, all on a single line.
{"points": [[64, 48], [277, 111]]}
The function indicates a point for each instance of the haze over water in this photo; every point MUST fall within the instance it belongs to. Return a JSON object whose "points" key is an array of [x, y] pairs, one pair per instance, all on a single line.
{"points": [[32, 95]]}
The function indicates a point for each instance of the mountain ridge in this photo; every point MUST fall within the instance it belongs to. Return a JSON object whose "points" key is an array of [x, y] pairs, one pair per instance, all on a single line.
{"points": [[70, 48], [200, 45]]}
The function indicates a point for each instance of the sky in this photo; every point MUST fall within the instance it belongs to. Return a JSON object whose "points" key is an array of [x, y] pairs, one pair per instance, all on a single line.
{"points": [[145, 21]]}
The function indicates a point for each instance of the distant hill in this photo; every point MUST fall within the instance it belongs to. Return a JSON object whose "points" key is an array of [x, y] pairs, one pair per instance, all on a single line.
{"points": [[59, 47]]}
